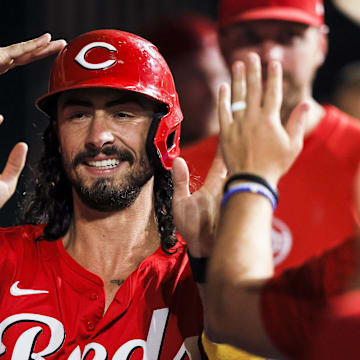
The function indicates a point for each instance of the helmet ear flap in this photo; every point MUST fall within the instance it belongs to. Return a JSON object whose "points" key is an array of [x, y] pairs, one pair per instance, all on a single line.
{"points": [[152, 152], [162, 143]]}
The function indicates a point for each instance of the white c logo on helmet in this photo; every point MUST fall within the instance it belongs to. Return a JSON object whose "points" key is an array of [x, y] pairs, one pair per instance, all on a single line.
{"points": [[80, 57]]}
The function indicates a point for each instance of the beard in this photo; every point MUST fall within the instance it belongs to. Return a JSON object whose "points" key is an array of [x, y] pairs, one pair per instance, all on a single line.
{"points": [[108, 194]]}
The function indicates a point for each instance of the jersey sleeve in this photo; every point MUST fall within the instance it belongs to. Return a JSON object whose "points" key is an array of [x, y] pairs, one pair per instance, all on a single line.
{"points": [[292, 303], [13, 243], [332, 344]]}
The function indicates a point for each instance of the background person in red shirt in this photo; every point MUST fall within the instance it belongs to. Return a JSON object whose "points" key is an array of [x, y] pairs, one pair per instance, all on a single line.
{"points": [[316, 212]]}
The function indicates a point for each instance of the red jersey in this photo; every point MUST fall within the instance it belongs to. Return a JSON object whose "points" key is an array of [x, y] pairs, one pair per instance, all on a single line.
{"points": [[53, 308], [344, 315], [293, 303], [315, 210]]}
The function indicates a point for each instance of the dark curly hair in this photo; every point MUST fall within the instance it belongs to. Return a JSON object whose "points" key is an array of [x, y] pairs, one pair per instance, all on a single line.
{"points": [[50, 200]]}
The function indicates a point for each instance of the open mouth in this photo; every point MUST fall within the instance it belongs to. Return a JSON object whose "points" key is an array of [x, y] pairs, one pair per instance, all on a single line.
{"points": [[104, 164]]}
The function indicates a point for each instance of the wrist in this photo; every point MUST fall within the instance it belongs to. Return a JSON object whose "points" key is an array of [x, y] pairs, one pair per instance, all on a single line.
{"points": [[251, 183], [271, 179], [198, 266]]}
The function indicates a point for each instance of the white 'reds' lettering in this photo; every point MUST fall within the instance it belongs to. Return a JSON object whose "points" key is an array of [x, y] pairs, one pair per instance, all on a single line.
{"points": [[100, 352], [151, 347], [80, 57], [26, 342]]}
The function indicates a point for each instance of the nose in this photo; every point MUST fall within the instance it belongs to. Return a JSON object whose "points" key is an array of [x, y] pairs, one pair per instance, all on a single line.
{"points": [[271, 50], [99, 133]]}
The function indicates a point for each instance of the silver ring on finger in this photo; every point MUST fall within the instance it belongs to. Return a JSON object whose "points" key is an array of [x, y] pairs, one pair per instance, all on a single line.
{"points": [[238, 105]]}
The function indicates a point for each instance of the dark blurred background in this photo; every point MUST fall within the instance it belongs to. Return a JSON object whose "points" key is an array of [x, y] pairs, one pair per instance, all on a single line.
{"points": [[68, 18]]}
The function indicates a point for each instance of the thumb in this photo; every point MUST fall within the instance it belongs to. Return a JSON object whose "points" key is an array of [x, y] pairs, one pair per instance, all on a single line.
{"points": [[15, 163], [180, 179]]}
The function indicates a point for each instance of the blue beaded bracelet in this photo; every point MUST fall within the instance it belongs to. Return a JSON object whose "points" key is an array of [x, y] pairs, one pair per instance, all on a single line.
{"points": [[253, 179], [250, 187]]}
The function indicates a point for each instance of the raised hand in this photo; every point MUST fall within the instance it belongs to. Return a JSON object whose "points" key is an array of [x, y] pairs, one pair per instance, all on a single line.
{"points": [[253, 140], [252, 136], [9, 177], [196, 214], [11, 56], [28, 51]]}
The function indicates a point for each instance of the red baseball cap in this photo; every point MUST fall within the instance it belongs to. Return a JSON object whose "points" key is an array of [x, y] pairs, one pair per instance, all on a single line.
{"points": [[310, 12]]}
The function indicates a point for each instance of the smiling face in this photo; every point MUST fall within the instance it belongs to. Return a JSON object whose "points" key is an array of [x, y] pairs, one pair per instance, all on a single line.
{"points": [[102, 136]]}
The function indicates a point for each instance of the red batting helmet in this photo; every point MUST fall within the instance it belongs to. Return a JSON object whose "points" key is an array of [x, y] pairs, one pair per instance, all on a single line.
{"points": [[310, 12], [119, 60]]}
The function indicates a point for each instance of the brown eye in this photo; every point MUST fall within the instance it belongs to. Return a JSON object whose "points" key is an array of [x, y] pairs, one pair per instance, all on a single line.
{"points": [[123, 115], [77, 116]]}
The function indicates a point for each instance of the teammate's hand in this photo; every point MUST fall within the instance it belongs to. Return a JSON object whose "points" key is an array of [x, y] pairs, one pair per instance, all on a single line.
{"points": [[196, 214], [11, 173], [28, 51], [253, 139]]}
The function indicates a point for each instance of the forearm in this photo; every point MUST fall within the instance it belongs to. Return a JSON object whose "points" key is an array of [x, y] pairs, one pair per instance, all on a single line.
{"points": [[256, 149], [244, 238], [240, 264]]}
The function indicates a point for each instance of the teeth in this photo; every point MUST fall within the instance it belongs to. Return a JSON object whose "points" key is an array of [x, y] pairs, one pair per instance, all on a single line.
{"points": [[104, 164]]}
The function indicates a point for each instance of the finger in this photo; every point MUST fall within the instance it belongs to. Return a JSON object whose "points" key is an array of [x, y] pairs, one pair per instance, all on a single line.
{"points": [[15, 163], [238, 89], [238, 84], [296, 124], [10, 54], [254, 83], [273, 93], [25, 47], [51, 48], [224, 110], [180, 173]]}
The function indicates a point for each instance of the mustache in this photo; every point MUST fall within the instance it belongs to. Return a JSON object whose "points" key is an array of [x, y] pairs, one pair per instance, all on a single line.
{"points": [[121, 154]]}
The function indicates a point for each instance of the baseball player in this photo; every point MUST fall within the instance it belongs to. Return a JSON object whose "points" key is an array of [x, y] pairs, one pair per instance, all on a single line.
{"points": [[98, 270]]}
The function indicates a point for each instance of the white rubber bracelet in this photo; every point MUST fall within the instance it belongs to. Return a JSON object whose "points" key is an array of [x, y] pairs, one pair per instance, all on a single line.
{"points": [[238, 106]]}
